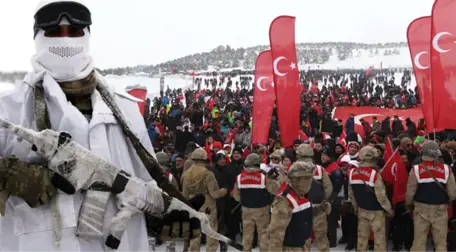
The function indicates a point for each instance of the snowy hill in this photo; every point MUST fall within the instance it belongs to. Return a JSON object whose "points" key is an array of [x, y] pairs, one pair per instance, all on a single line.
{"points": [[328, 55]]}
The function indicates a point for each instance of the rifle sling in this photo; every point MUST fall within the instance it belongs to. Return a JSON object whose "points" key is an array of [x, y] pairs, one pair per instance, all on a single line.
{"points": [[149, 162], [41, 112]]}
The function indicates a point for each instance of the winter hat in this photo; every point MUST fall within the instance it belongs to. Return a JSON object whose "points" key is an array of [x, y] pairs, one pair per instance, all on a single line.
{"points": [[217, 145], [238, 149]]}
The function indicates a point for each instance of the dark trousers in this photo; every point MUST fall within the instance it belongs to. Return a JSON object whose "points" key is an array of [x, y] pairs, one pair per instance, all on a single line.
{"points": [[333, 219], [232, 219], [349, 225], [402, 227]]}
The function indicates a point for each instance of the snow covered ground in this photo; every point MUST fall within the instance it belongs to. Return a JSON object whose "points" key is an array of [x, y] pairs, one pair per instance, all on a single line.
{"points": [[341, 247], [173, 81]]}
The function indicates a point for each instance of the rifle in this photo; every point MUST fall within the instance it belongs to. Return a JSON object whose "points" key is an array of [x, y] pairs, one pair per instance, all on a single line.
{"points": [[86, 170]]}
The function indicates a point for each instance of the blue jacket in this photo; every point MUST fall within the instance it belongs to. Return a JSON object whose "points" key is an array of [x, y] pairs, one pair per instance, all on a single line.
{"points": [[350, 125]]}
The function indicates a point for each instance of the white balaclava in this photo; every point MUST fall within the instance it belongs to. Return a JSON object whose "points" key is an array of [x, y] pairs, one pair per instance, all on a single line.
{"points": [[64, 58]]}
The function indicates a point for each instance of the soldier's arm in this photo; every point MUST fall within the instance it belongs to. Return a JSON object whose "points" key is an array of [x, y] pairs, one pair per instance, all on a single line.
{"points": [[451, 187], [212, 186], [380, 193], [236, 192], [185, 191], [327, 184], [273, 186], [412, 185], [280, 218], [352, 198]]}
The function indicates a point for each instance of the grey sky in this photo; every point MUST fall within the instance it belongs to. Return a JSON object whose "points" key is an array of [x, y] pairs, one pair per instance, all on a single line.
{"points": [[132, 32]]}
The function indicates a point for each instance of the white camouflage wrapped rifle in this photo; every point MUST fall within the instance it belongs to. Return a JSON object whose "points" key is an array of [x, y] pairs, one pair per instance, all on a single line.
{"points": [[82, 169]]}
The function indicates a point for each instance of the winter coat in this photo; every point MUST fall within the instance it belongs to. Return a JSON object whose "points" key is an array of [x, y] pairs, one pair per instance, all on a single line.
{"points": [[386, 128], [411, 129], [26, 229], [397, 127], [350, 125]]}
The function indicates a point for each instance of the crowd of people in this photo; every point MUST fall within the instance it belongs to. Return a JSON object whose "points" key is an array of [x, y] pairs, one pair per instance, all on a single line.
{"points": [[219, 121]]}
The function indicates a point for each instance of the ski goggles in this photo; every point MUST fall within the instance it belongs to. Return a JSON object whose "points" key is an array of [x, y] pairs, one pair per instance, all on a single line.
{"points": [[51, 15]]}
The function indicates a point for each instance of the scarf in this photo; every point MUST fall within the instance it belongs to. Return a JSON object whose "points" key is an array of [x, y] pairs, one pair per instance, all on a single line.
{"points": [[79, 93]]}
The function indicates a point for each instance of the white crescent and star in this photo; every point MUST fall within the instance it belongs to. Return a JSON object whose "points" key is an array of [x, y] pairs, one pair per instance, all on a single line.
{"points": [[394, 170], [435, 42], [259, 83], [417, 60], [276, 63]]}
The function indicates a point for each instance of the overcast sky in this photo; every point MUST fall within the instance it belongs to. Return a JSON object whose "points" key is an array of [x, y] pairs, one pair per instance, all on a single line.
{"points": [[132, 32]]}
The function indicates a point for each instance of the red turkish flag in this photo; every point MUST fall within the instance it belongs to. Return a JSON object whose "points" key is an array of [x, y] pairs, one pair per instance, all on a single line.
{"points": [[443, 61], [303, 136], [395, 173], [263, 98], [286, 77], [388, 153], [141, 94], [419, 40]]}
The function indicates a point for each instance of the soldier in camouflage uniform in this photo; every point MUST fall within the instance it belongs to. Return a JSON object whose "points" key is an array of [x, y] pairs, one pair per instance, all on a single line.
{"points": [[368, 196], [196, 180], [253, 189], [430, 189], [291, 211], [319, 194], [163, 160]]}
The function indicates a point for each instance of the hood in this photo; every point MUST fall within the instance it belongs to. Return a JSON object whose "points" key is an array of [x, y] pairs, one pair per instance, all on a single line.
{"points": [[194, 176]]}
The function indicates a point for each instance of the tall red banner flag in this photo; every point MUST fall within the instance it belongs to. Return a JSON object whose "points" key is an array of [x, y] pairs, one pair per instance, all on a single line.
{"points": [[286, 77], [419, 40], [263, 98], [443, 61]]}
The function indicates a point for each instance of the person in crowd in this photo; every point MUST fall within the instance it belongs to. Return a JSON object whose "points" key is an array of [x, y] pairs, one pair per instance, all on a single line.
{"points": [[431, 187], [369, 200], [318, 195], [337, 180], [253, 190], [163, 160], [196, 180], [291, 212]]}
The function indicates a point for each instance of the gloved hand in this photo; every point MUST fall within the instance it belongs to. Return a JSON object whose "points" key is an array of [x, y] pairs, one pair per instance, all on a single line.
{"points": [[327, 207], [30, 182], [177, 224], [390, 215]]}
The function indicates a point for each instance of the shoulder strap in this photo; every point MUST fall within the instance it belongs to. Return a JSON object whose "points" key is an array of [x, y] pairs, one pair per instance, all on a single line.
{"points": [[435, 180], [149, 162], [41, 112]]}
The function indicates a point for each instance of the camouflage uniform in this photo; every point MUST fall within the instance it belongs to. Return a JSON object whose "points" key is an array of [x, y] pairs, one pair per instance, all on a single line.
{"points": [[319, 194], [30, 182], [196, 180], [284, 232], [256, 204], [428, 199], [163, 160], [369, 200]]}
